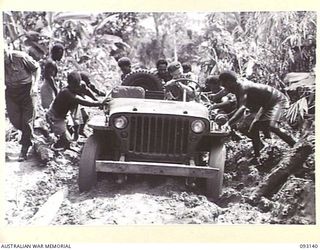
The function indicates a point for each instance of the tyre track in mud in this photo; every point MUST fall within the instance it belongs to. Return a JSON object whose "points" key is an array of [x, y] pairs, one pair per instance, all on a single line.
{"points": [[146, 200]]}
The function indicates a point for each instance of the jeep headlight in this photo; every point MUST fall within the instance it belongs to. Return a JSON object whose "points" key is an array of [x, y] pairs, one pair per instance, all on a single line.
{"points": [[120, 122], [197, 126]]}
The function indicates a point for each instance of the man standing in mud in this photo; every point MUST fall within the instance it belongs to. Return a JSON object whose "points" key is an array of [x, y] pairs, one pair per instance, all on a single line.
{"points": [[269, 102], [81, 115], [22, 75], [67, 99]]}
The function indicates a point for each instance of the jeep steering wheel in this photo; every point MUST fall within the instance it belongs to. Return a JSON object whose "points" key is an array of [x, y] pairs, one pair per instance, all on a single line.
{"points": [[198, 95]]}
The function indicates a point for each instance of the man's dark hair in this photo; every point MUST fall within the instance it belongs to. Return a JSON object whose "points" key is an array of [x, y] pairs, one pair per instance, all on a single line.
{"points": [[124, 61], [228, 76], [85, 77], [212, 80], [48, 66], [186, 67], [162, 61], [57, 51], [74, 78]]}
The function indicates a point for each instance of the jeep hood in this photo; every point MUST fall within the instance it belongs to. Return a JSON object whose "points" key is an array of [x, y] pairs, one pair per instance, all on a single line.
{"points": [[152, 106]]}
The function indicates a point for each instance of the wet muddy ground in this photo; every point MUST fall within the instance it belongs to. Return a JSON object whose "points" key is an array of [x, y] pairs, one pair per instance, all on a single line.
{"points": [[147, 200]]}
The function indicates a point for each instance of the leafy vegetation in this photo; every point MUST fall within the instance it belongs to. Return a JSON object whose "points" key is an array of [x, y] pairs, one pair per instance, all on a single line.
{"points": [[262, 46]]}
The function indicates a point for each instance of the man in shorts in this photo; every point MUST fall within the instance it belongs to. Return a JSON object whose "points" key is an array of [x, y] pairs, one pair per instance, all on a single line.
{"points": [[269, 102], [81, 115], [67, 99]]}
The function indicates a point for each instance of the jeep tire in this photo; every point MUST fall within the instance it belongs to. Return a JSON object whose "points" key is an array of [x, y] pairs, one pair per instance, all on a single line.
{"points": [[217, 159], [87, 166], [144, 79]]}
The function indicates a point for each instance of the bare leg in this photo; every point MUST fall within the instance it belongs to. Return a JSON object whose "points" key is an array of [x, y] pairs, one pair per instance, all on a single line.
{"points": [[255, 136], [283, 135]]}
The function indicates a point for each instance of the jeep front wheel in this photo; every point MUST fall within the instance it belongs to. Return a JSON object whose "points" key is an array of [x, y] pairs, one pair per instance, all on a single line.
{"points": [[87, 166], [217, 159]]}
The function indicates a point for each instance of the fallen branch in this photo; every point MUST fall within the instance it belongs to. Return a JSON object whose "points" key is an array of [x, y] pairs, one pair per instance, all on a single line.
{"points": [[42, 140], [49, 209]]}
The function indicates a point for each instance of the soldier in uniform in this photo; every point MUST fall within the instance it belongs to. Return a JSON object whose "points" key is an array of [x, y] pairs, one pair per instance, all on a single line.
{"points": [[22, 74]]}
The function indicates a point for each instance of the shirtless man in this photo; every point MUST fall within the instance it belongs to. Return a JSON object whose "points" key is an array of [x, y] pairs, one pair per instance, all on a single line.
{"points": [[269, 102], [124, 64], [67, 99], [162, 71]]}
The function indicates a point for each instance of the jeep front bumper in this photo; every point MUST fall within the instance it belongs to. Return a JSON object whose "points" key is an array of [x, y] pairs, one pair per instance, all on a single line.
{"points": [[155, 168]]}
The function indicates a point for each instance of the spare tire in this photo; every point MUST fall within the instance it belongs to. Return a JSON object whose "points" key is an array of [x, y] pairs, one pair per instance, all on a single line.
{"points": [[144, 79]]}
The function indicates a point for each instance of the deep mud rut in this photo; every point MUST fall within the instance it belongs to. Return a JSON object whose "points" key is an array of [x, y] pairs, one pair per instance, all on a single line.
{"points": [[146, 200]]}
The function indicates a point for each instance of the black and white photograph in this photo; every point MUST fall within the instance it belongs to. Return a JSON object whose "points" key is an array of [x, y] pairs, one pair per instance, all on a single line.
{"points": [[159, 118]]}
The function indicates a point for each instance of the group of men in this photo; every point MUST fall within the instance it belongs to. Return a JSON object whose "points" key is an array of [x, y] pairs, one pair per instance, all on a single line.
{"points": [[22, 80], [265, 102], [163, 70], [22, 75]]}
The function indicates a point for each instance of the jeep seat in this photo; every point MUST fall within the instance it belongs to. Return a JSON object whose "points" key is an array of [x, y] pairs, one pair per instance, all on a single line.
{"points": [[128, 92]]}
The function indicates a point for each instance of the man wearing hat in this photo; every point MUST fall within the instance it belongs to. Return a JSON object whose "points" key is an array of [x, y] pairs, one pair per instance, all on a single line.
{"points": [[175, 87]]}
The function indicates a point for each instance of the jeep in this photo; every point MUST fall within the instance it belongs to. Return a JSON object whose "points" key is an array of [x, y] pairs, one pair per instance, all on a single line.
{"points": [[141, 132]]}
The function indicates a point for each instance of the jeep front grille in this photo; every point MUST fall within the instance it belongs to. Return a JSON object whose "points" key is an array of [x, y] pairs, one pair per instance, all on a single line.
{"points": [[158, 135]]}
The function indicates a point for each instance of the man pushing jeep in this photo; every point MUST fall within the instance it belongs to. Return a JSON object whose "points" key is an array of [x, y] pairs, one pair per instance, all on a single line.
{"points": [[67, 99], [269, 102]]}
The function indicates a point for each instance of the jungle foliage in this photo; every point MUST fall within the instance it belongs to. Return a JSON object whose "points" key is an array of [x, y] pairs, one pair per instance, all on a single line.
{"points": [[275, 48]]}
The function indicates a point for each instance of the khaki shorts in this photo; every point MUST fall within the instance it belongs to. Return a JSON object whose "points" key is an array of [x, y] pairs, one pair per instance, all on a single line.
{"points": [[274, 112], [58, 125]]}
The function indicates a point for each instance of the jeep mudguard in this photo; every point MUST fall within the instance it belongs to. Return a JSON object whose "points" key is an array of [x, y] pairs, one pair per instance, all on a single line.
{"points": [[144, 79]]}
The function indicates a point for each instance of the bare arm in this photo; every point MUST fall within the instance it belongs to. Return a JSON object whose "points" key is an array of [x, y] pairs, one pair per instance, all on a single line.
{"points": [[52, 84], [87, 103], [88, 92], [188, 89], [34, 89], [220, 94], [241, 107], [36, 77], [93, 88]]}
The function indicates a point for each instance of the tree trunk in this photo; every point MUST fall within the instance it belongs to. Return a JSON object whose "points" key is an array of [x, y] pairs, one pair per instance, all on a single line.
{"points": [[175, 47], [11, 26], [156, 22], [290, 164]]}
